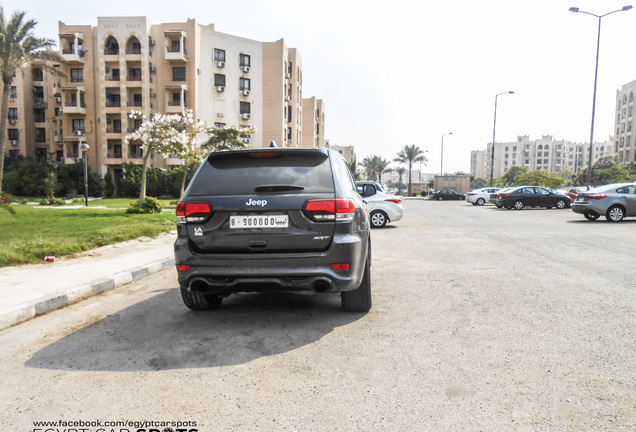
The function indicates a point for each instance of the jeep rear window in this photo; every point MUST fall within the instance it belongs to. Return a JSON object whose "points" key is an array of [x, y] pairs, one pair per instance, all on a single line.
{"points": [[242, 173]]}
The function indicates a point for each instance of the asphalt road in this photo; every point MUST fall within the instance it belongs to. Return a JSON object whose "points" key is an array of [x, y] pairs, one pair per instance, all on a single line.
{"points": [[483, 319]]}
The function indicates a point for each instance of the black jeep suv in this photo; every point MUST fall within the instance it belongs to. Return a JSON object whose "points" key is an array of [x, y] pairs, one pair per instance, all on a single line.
{"points": [[273, 219]]}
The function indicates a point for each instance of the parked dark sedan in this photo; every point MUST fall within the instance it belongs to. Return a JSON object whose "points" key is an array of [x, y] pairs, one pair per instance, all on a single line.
{"points": [[532, 196], [447, 194]]}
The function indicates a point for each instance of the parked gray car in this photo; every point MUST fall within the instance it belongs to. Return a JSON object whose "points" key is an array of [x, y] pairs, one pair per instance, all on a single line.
{"points": [[614, 201], [275, 219]]}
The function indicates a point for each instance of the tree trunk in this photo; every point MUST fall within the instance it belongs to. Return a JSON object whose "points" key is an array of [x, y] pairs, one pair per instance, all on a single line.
{"points": [[409, 192], [183, 181], [142, 189], [6, 90]]}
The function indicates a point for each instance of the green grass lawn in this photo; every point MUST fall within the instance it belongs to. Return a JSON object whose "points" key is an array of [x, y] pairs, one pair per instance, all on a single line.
{"points": [[35, 232]]}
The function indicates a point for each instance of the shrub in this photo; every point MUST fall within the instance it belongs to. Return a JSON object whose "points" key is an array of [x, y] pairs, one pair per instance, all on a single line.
{"points": [[151, 205]]}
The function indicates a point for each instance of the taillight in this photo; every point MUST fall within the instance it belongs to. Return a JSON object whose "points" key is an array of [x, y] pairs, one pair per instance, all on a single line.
{"points": [[341, 266], [193, 212], [263, 155], [595, 196], [505, 195], [394, 200], [339, 210]]}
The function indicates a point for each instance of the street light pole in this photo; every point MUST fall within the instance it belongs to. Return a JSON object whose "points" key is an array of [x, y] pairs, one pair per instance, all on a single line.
{"points": [[598, 45], [84, 147], [441, 164], [494, 128]]}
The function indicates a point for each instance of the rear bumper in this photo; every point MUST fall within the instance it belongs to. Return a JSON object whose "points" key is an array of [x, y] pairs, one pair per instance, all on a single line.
{"points": [[587, 208], [261, 272]]}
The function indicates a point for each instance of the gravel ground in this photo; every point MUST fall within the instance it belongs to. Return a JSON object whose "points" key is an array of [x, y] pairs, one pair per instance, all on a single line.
{"points": [[483, 320]]}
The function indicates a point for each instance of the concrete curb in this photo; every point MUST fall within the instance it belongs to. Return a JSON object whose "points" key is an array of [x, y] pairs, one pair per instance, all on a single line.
{"points": [[31, 309]]}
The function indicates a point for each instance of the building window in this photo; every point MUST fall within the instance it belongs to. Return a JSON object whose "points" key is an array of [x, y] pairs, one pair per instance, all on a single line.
{"points": [[245, 107], [14, 134], [14, 92], [176, 46], [219, 80], [219, 55], [178, 73], [219, 125], [13, 114], [78, 125], [77, 75], [245, 84], [245, 60]]}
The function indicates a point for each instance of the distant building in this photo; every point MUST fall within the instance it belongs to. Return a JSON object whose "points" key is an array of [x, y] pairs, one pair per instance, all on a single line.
{"points": [[624, 145], [554, 156]]}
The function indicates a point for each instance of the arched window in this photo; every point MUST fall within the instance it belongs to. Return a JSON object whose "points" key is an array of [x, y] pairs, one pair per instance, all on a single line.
{"points": [[631, 97], [540, 147], [133, 46], [547, 147], [111, 47]]}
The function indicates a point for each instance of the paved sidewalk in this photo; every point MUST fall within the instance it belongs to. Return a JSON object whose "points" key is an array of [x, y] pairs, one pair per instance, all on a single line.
{"points": [[32, 290]]}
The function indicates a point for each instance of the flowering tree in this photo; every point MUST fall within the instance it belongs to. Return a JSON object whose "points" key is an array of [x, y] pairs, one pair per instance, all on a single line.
{"points": [[164, 134], [223, 138]]}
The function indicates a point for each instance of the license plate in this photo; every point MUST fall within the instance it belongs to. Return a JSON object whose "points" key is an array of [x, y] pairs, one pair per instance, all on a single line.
{"points": [[262, 221]]}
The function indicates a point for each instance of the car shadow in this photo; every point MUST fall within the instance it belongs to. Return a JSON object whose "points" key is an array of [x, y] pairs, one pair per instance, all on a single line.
{"points": [[160, 333], [602, 219]]}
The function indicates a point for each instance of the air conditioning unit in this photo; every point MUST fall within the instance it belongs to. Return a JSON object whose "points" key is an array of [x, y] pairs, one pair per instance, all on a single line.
{"points": [[14, 142], [151, 41], [60, 143], [220, 64], [247, 116], [78, 132], [107, 69], [288, 75], [108, 120], [58, 99], [220, 88], [246, 92], [287, 98], [246, 69], [13, 121], [153, 69], [246, 140]]}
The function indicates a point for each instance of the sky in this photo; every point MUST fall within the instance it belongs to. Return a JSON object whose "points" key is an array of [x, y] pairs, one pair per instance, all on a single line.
{"points": [[403, 72]]}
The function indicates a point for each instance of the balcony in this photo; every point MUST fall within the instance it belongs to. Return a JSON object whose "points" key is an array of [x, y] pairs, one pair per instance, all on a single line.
{"points": [[73, 108], [114, 155], [113, 130]]}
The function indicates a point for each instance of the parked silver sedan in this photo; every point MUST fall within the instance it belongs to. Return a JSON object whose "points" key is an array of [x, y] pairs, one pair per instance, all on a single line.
{"points": [[614, 201]]}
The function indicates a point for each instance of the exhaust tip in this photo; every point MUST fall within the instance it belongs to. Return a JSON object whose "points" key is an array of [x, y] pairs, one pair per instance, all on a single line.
{"points": [[322, 287]]}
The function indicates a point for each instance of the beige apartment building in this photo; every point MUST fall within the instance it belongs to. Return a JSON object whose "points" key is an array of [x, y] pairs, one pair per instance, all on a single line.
{"points": [[313, 123], [624, 144], [128, 63], [555, 156]]}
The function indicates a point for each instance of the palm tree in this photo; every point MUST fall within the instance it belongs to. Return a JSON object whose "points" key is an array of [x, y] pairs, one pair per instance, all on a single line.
{"points": [[409, 155], [400, 171], [374, 166], [18, 46]]}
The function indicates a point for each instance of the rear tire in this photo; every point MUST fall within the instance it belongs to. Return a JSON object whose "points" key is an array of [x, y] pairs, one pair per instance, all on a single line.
{"points": [[199, 301], [560, 204], [615, 213], [378, 219], [359, 300], [519, 205]]}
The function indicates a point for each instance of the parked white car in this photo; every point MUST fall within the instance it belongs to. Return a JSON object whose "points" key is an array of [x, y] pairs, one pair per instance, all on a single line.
{"points": [[480, 196], [382, 207]]}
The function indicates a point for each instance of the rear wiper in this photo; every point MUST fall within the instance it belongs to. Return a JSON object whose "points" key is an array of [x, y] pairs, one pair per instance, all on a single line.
{"points": [[277, 188]]}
